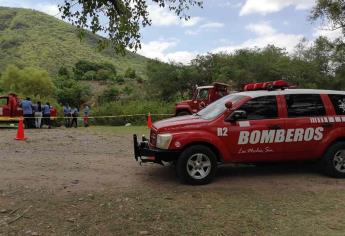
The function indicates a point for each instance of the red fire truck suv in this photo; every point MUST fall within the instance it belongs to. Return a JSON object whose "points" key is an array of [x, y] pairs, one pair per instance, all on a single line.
{"points": [[251, 127]]}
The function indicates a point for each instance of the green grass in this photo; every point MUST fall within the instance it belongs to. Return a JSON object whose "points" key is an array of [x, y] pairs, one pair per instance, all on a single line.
{"points": [[31, 38]]}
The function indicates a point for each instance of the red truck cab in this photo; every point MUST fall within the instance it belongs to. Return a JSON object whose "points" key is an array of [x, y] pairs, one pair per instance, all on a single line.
{"points": [[202, 97], [252, 127], [9, 107]]}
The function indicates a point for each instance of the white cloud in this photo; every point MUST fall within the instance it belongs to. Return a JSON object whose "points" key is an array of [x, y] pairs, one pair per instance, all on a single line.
{"points": [[270, 6], [163, 17], [262, 28], [192, 21], [326, 31], [230, 4], [158, 50], [50, 9], [160, 16], [211, 25], [266, 35], [204, 27], [181, 56], [46, 7]]}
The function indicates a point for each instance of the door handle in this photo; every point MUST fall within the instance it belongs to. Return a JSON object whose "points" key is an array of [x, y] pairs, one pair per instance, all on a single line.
{"points": [[274, 127], [327, 125]]}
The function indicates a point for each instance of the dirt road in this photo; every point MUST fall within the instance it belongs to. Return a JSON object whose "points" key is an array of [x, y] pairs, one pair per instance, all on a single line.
{"points": [[86, 182]]}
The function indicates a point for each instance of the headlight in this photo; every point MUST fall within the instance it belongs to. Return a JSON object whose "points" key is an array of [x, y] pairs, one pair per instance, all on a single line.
{"points": [[163, 141]]}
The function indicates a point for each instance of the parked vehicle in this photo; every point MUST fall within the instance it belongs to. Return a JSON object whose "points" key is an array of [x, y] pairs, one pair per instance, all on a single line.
{"points": [[252, 127], [202, 97], [9, 107], [10, 110]]}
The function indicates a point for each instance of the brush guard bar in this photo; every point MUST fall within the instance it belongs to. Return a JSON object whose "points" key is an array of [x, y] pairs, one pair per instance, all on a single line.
{"points": [[143, 153]]}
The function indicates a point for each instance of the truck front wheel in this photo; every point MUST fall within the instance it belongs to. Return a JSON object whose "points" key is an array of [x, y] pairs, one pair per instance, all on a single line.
{"points": [[196, 165], [333, 162]]}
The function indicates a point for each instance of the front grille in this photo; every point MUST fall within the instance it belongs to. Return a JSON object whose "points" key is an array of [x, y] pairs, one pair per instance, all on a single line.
{"points": [[153, 137]]}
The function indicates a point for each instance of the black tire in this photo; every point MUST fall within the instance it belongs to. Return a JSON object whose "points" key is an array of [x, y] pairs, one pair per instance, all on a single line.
{"points": [[330, 162], [182, 113], [204, 170]]}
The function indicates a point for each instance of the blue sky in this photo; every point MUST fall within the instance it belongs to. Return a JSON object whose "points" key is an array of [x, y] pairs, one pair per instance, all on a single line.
{"points": [[221, 26]]}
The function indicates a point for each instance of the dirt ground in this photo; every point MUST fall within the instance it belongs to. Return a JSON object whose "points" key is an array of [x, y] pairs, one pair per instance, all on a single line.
{"points": [[86, 182]]}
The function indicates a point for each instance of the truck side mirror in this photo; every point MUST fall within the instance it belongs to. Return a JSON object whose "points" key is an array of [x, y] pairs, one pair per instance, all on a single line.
{"points": [[228, 105], [237, 115]]}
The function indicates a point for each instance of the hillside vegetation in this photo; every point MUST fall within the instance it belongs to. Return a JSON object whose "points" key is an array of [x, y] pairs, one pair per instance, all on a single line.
{"points": [[33, 39]]}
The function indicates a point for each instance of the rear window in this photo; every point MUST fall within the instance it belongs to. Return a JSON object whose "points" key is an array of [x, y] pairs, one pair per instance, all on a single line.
{"points": [[338, 102], [304, 105]]}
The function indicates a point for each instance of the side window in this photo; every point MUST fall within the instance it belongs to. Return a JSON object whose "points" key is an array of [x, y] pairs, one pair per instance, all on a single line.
{"points": [[3, 101], [203, 94], [338, 103], [304, 105], [261, 108]]}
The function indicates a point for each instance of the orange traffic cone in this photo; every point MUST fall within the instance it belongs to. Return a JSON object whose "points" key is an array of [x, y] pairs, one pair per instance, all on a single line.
{"points": [[149, 121], [20, 131]]}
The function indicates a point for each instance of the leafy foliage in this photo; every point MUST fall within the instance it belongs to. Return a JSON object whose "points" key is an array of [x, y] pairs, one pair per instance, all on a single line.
{"points": [[124, 18], [109, 95], [69, 91], [27, 82], [331, 10], [321, 65], [130, 73], [86, 70]]}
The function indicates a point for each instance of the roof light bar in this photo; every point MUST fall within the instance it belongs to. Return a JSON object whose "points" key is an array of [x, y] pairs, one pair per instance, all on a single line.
{"points": [[271, 85]]}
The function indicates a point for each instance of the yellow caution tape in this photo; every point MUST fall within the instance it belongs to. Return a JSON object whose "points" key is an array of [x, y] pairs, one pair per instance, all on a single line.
{"points": [[81, 117]]}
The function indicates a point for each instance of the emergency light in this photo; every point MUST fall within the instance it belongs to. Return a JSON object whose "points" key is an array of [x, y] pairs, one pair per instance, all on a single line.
{"points": [[271, 85]]}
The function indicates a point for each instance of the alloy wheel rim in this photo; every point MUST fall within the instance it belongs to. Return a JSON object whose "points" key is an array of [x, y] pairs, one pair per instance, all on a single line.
{"points": [[198, 166], [339, 161]]}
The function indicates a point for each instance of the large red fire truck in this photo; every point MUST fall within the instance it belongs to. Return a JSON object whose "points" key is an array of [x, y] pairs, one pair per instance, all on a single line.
{"points": [[266, 123], [202, 97], [10, 110]]}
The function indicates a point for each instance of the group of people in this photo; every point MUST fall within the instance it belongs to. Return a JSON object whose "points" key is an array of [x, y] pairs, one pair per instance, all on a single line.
{"points": [[71, 116], [34, 113]]}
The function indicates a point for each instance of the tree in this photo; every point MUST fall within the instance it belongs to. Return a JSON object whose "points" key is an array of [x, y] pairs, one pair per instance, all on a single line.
{"points": [[71, 92], [111, 94], [331, 10], [124, 18], [130, 73], [28, 81]]}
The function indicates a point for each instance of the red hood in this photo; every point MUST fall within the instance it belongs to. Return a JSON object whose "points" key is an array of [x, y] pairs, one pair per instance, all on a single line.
{"points": [[179, 123]]}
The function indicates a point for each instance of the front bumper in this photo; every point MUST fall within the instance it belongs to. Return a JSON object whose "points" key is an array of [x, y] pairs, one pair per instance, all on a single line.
{"points": [[143, 153]]}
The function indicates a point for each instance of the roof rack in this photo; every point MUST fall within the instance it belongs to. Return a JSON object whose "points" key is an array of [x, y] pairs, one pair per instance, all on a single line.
{"points": [[270, 86]]}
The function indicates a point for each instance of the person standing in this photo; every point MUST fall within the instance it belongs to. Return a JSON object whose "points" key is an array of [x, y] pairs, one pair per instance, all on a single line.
{"points": [[86, 116], [27, 112], [46, 114], [75, 113], [67, 115], [38, 114]]}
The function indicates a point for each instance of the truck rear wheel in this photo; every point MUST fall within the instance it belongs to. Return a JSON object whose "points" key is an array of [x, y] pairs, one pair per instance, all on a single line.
{"points": [[182, 113], [333, 162], [196, 165]]}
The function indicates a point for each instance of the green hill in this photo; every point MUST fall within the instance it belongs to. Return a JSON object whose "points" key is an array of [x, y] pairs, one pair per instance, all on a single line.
{"points": [[32, 38]]}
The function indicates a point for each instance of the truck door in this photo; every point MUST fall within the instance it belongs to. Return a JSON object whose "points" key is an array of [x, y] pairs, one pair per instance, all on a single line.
{"points": [[307, 123], [254, 138], [201, 100], [4, 107]]}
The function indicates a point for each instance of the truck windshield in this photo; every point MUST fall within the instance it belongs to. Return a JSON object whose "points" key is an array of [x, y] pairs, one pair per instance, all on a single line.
{"points": [[218, 107]]}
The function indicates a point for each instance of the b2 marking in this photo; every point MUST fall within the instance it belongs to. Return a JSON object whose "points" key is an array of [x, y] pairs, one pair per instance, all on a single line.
{"points": [[222, 132]]}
